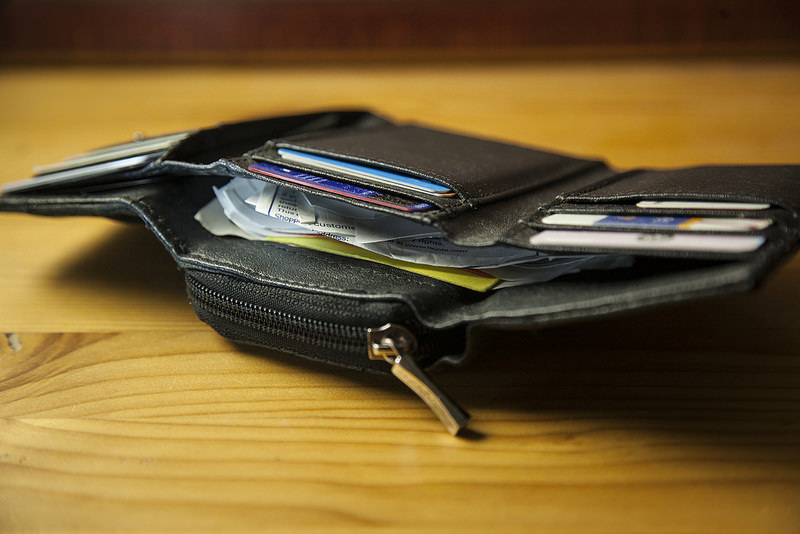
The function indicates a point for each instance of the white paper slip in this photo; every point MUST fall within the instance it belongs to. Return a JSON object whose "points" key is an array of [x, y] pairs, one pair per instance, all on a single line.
{"points": [[701, 205], [647, 241], [232, 197], [634, 222], [213, 218]]}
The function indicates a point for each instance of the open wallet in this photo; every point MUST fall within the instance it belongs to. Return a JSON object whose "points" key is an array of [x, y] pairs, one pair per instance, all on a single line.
{"points": [[344, 237]]}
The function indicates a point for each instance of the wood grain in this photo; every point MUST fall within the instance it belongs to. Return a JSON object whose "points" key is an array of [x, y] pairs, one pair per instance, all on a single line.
{"points": [[195, 433], [121, 411]]}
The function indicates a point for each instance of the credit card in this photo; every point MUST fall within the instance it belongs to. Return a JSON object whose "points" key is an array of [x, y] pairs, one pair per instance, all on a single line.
{"points": [[647, 241], [339, 188], [80, 176], [701, 205], [111, 153], [692, 224], [373, 175]]}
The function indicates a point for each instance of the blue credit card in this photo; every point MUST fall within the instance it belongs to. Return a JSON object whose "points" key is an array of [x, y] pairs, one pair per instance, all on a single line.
{"points": [[373, 175], [339, 188]]}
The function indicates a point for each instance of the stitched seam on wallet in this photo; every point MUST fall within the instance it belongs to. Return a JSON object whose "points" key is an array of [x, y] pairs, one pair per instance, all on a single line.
{"points": [[180, 247], [421, 281], [161, 225], [644, 194], [599, 185], [339, 131]]}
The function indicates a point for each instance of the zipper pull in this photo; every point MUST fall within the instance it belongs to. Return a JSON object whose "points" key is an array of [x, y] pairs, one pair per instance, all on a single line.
{"points": [[396, 345]]}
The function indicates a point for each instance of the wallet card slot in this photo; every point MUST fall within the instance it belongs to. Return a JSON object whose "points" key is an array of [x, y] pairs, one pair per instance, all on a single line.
{"points": [[729, 247], [251, 162], [618, 208], [608, 225], [775, 185], [761, 219], [244, 168], [477, 170], [655, 228], [702, 244]]}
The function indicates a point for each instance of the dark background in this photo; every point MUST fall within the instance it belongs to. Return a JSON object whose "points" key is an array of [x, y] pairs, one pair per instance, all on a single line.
{"points": [[289, 30]]}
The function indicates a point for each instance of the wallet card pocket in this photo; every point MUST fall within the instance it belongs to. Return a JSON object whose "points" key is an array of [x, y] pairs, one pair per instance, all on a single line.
{"points": [[710, 212], [478, 171], [775, 185]]}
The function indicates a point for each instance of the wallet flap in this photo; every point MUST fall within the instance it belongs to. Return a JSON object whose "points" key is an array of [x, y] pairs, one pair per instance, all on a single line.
{"points": [[777, 185]]}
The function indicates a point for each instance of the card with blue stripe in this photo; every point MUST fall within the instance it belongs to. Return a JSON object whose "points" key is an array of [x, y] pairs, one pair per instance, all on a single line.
{"points": [[375, 176], [339, 188]]}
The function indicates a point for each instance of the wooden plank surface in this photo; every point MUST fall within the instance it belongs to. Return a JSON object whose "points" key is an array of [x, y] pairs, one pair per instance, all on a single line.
{"points": [[119, 410]]}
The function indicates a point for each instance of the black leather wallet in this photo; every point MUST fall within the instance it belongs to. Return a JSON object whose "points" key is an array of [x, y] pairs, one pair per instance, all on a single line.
{"points": [[362, 314]]}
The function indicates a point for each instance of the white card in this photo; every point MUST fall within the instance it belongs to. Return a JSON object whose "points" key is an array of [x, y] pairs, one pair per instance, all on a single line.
{"points": [[701, 205], [647, 241]]}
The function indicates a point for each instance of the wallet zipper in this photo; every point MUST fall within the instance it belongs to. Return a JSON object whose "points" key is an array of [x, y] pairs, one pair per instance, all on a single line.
{"points": [[396, 345], [392, 343]]}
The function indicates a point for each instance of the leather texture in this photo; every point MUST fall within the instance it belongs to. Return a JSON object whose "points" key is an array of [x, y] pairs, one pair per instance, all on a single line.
{"points": [[185, 176]]}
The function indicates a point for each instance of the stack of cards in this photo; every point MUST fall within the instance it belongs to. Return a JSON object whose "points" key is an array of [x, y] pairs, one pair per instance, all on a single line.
{"points": [[378, 178], [675, 233], [340, 188], [96, 166]]}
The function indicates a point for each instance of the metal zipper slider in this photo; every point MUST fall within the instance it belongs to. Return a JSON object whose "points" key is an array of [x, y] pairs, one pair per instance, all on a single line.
{"points": [[396, 345]]}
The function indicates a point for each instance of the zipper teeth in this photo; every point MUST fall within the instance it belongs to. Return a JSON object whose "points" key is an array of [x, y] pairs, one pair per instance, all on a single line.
{"points": [[334, 336]]}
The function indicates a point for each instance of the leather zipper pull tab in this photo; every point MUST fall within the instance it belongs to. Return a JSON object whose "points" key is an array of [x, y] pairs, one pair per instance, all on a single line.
{"points": [[397, 345]]}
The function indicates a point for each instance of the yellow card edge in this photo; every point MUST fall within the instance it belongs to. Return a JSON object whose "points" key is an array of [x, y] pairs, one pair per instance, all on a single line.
{"points": [[473, 280]]}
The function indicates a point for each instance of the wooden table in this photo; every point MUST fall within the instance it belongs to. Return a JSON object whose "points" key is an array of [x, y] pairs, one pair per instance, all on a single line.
{"points": [[122, 411]]}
